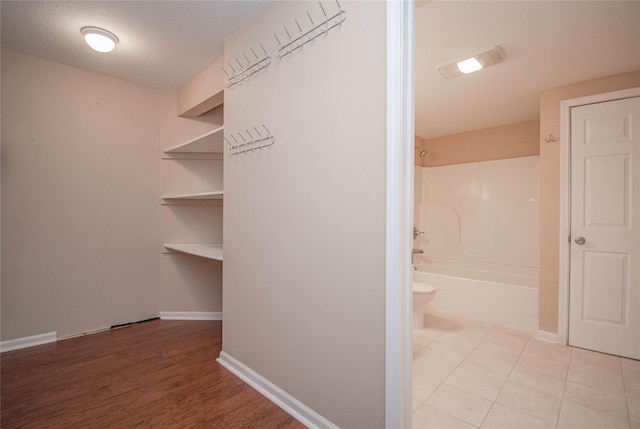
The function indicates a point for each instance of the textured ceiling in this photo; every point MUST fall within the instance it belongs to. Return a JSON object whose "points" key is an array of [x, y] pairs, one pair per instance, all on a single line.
{"points": [[546, 43], [162, 45]]}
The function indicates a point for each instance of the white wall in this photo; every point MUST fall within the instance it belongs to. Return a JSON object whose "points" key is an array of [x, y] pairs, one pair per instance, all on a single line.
{"points": [[481, 212], [304, 223], [80, 175]]}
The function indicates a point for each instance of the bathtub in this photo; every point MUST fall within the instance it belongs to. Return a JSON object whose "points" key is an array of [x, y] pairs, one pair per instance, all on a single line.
{"points": [[503, 295]]}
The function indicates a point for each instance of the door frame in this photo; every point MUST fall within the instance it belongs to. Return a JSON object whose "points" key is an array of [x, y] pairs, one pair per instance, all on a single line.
{"points": [[399, 212], [565, 198]]}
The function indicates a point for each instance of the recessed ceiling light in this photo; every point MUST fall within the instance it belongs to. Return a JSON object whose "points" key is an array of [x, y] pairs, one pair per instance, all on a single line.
{"points": [[469, 65], [472, 63], [99, 39]]}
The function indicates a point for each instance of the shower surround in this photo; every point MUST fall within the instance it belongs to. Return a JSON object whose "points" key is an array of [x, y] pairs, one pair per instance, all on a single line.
{"points": [[480, 241]]}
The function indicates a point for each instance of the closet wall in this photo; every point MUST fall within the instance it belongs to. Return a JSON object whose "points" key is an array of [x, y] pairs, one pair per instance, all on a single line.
{"points": [[80, 186], [83, 222], [304, 220], [189, 284]]}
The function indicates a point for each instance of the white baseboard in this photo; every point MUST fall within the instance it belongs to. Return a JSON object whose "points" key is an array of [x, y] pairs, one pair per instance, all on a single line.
{"points": [[550, 337], [291, 405], [191, 315], [24, 342]]}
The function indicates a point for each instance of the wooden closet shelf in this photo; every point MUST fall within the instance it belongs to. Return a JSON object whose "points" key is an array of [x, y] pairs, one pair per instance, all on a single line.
{"points": [[210, 142], [209, 251], [212, 195]]}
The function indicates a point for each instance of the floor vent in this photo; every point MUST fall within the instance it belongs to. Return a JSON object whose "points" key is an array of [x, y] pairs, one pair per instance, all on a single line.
{"points": [[124, 325]]}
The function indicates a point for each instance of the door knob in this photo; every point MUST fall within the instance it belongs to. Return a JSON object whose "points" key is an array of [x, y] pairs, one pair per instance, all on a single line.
{"points": [[580, 240]]}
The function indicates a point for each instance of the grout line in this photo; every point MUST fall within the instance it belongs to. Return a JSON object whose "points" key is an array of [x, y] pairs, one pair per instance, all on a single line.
{"points": [[480, 340], [452, 371], [624, 391], [505, 382], [564, 385]]}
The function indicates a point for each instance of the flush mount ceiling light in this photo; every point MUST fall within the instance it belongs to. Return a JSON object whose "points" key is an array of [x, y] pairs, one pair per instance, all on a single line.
{"points": [[472, 63], [99, 39]]}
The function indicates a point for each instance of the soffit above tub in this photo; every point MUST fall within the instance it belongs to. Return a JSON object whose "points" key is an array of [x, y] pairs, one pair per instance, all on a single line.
{"points": [[163, 44], [547, 44]]}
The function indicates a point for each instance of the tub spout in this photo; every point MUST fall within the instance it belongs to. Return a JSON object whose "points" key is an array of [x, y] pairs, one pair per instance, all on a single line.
{"points": [[415, 251]]}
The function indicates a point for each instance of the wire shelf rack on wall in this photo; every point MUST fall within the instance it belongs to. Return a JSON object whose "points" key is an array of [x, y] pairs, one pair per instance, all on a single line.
{"points": [[308, 36], [248, 67], [250, 143], [246, 71]]}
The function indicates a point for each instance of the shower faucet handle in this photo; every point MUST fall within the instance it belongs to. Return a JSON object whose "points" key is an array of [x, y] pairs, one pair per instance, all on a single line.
{"points": [[416, 233]]}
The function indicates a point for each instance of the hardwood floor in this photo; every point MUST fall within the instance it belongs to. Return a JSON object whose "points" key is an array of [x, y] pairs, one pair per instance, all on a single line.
{"points": [[157, 374]]}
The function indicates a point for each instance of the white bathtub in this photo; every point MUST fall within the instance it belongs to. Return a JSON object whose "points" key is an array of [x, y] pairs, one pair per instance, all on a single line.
{"points": [[505, 296]]}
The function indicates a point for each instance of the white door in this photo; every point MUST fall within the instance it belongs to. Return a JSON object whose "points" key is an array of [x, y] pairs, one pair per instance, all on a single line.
{"points": [[604, 291]]}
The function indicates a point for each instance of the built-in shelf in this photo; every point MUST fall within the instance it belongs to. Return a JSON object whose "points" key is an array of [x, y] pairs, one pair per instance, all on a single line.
{"points": [[213, 195], [210, 142], [209, 251]]}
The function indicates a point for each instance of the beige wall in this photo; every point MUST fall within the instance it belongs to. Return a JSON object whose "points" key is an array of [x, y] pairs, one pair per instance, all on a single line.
{"points": [[304, 269], [80, 175], [503, 142], [203, 92], [550, 184]]}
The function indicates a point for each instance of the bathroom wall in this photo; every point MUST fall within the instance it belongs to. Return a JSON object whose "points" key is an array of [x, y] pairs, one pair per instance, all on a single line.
{"points": [[550, 183], [481, 213], [502, 142]]}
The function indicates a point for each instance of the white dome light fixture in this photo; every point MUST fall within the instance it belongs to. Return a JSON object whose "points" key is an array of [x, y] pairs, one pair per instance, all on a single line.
{"points": [[99, 39], [472, 63]]}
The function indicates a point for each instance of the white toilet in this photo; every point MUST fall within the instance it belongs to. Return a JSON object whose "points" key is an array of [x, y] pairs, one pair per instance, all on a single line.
{"points": [[422, 293]]}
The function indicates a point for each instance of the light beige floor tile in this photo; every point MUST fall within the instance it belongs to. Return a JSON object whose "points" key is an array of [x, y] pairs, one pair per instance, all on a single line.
{"points": [[507, 338], [444, 353], [499, 351], [634, 409], [442, 321], [460, 404], [596, 360], [596, 399], [631, 374], [541, 383], [450, 350], [430, 418], [472, 328], [573, 416], [420, 338], [501, 417], [434, 331], [488, 365], [432, 365], [423, 386], [515, 333], [630, 361], [475, 382], [594, 378], [547, 350], [529, 402], [458, 339], [545, 365]]}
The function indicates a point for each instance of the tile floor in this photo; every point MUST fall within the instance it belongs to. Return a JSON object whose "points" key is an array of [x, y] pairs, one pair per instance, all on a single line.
{"points": [[470, 374]]}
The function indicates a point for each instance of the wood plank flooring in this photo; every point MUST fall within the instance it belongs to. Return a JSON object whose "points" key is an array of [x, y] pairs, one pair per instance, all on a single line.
{"points": [[157, 374]]}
